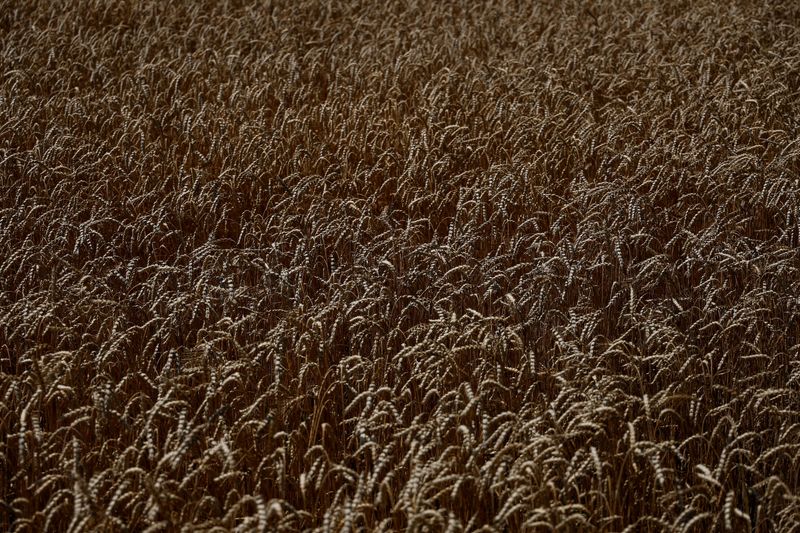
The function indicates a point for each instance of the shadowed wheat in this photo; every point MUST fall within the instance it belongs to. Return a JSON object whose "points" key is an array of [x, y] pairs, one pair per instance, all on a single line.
{"points": [[405, 265]]}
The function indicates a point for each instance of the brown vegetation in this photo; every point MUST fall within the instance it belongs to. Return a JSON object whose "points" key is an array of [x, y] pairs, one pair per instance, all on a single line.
{"points": [[399, 265]]}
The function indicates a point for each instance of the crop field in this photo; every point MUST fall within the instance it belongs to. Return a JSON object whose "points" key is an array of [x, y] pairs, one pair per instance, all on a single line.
{"points": [[399, 265]]}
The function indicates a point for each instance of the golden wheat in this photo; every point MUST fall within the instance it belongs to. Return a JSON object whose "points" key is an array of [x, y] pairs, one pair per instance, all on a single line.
{"points": [[414, 265]]}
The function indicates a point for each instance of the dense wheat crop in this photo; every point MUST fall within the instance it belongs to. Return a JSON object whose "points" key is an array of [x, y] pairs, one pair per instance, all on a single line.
{"points": [[419, 265]]}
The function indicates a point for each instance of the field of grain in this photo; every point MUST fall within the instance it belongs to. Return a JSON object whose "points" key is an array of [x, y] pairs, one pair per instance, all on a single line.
{"points": [[404, 265]]}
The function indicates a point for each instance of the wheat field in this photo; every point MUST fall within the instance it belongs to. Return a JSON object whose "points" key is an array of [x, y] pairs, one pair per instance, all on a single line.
{"points": [[405, 265]]}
